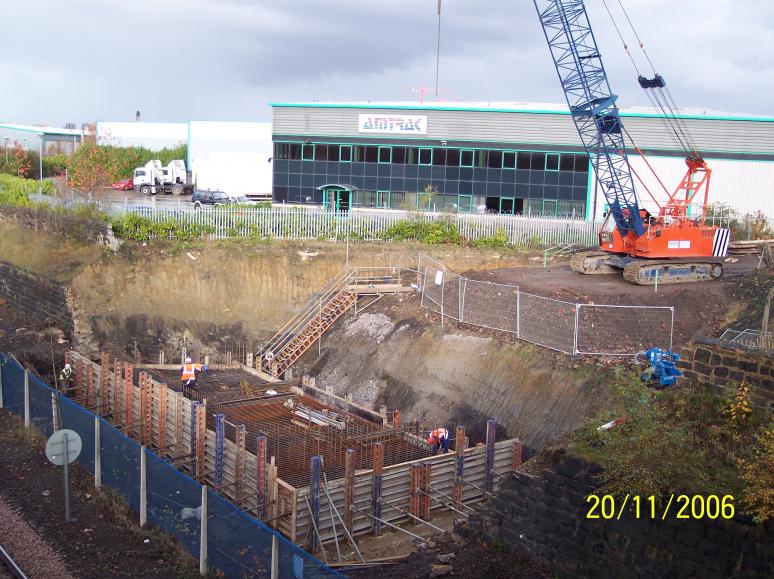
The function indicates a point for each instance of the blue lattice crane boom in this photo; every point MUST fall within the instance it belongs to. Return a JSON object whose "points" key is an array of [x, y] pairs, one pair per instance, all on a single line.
{"points": [[674, 246], [592, 105]]}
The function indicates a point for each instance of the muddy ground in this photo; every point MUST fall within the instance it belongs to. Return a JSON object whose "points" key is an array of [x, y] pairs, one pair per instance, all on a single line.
{"points": [[104, 540]]}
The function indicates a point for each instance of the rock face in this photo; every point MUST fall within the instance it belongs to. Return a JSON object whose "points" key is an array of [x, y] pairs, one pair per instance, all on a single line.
{"points": [[444, 375], [546, 516]]}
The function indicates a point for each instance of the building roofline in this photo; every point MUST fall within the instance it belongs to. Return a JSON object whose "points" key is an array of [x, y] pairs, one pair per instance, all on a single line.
{"points": [[517, 110]]}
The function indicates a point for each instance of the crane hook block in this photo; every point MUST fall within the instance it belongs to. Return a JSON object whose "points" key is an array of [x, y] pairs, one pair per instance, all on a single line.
{"points": [[656, 82]]}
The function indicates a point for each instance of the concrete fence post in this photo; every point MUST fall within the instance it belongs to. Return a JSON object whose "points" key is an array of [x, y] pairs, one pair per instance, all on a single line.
{"points": [[575, 334], [97, 454], [26, 398], [274, 557], [143, 488], [203, 535]]}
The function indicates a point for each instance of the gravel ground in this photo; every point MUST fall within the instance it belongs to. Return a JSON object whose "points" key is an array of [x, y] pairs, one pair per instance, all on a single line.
{"points": [[376, 326], [30, 551]]}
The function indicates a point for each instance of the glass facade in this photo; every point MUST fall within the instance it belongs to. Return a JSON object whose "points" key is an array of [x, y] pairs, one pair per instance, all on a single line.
{"points": [[436, 178]]}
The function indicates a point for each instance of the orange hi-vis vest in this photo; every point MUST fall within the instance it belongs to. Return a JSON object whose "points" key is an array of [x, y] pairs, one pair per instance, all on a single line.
{"points": [[439, 434], [189, 372]]}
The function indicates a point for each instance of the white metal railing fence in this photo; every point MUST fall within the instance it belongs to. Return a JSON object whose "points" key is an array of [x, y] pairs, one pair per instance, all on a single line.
{"points": [[298, 223], [572, 328]]}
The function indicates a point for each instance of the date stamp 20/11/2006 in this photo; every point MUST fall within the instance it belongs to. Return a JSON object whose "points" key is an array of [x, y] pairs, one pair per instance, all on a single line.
{"points": [[609, 507]]}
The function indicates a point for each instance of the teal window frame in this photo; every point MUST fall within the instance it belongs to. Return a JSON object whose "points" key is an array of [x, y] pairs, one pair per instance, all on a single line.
{"points": [[419, 156], [555, 212], [304, 148], [341, 148], [379, 198], [515, 158], [513, 203], [379, 155], [558, 160], [469, 197], [472, 157]]}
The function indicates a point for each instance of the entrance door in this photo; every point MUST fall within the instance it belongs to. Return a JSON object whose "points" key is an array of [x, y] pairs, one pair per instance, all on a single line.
{"points": [[336, 199]]}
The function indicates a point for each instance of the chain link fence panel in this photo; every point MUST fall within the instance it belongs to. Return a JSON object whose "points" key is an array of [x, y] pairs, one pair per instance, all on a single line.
{"points": [[547, 322], [623, 330], [490, 305]]}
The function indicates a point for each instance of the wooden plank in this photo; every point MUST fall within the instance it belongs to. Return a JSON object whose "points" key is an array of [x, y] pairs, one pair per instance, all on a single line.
{"points": [[128, 398], [118, 389], [241, 460], [104, 382], [376, 487], [163, 397], [459, 451]]}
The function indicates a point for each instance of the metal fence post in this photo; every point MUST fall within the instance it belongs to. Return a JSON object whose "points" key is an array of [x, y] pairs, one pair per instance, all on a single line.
{"points": [[461, 301], [26, 398], [424, 285], [575, 335], [203, 535], [220, 436], [97, 455], [491, 426], [672, 327], [518, 313], [143, 488], [443, 283], [2, 364]]}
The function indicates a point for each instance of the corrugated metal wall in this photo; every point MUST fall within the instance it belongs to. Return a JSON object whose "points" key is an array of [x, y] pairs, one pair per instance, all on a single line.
{"points": [[153, 136], [727, 136]]}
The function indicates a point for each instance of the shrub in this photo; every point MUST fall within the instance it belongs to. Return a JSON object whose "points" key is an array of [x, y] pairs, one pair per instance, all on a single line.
{"points": [[499, 239], [139, 228], [17, 191]]}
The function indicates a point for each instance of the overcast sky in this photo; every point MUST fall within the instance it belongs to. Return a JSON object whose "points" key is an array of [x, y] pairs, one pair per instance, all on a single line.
{"points": [[175, 60]]}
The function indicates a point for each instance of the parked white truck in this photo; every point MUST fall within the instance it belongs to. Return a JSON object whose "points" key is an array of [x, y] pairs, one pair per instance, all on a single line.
{"points": [[152, 178]]}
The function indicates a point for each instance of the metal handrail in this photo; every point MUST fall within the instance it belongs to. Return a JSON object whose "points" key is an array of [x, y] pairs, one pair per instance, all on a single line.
{"points": [[290, 330]]}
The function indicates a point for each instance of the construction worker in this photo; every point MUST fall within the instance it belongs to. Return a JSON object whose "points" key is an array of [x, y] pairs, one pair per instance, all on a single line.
{"points": [[66, 377], [188, 374], [439, 439]]}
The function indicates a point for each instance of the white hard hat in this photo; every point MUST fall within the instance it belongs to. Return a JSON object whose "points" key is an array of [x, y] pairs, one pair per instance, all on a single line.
{"points": [[67, 366], [188, 360]]}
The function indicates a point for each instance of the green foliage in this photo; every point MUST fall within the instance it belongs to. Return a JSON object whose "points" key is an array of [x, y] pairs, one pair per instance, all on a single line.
{"points": [[678, 440], [499, 239], [441, 231], [758, 474], [55, 165], [139, 228], [739, 409], [16, 191]]}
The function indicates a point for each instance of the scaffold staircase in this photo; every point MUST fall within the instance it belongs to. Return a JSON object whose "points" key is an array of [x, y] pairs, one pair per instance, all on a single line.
{"points": [[322, 311]]}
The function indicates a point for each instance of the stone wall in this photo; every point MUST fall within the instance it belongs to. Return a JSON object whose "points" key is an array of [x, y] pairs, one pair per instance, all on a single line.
{"points": [[545, 516], [41, 299], [723, 365], [58, 223]]}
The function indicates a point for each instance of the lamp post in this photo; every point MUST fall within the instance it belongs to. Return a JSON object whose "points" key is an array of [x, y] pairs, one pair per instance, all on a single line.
{"points": [[40, 165], [438, 49]]}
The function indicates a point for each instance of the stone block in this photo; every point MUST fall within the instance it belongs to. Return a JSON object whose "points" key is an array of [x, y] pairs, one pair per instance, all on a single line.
{"points": [[716, 359], [700, 368], [720, 372], [748, 366], [735, 375], [702, 355]]}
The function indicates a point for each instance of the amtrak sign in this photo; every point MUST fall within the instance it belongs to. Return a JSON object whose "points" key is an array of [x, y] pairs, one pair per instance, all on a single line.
{"points": [[394, 124]]}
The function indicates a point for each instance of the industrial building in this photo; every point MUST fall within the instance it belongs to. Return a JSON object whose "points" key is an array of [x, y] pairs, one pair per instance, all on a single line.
{"points": [[522, 158]]}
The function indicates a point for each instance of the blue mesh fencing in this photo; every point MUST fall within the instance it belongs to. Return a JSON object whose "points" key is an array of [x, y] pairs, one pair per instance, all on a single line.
{"points": [[238, 545], [81, 421], [13, 386], [174, 501], [120, 463], [41, 406]]}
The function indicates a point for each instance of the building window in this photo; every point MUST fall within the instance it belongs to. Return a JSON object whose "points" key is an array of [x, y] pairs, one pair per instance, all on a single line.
{"points": [[538, 162], [307, 152], [371, 154], [385, 154], [425, 156], [481, 155], [509, 159], [495, 160], [399, 155], [452, 157], [466, 158], [439, 156], [523, 160], [552, 161], [345, 153], [321, 153], [383, 199]]}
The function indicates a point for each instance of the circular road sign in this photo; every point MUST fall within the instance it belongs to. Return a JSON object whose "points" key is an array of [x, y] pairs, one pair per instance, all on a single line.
{"points": [[55, 447]]}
